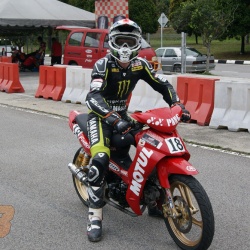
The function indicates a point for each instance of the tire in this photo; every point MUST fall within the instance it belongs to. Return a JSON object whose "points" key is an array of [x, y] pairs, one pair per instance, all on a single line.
{"points": [[81, 189], [194, 229], [177, 69], [73, 64]]}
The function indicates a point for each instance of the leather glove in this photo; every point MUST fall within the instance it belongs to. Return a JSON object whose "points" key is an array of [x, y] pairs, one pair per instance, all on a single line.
{"points": [[186, 116], [112, 118], [122, 127]]}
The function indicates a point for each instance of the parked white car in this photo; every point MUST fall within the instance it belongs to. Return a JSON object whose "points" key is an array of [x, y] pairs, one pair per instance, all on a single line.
{"points": [[170, 58]]}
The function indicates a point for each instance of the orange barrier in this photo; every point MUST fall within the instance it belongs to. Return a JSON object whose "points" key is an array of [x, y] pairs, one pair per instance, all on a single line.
{"points": [[6, 59], [1, 72], [197, 94], [9, 78], [52, 82]]}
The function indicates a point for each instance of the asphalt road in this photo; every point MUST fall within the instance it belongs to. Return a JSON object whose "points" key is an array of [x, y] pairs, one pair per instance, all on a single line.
{"points": [[232, 70], [35, 181], [228, 71]]}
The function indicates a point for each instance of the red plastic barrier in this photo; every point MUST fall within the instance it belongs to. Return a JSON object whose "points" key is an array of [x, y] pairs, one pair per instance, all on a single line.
{"points": [[197, 94], [7, 59], [52, 82], [1, 72], [9, 78]]}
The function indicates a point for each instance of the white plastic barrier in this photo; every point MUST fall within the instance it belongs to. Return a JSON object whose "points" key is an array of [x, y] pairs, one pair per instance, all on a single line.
{"points": [[144, 97], [231, 105], [77, 84]]}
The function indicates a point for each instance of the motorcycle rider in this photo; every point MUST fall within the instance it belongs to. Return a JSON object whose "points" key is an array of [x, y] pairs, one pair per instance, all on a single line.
{"points": [[113, 79]]}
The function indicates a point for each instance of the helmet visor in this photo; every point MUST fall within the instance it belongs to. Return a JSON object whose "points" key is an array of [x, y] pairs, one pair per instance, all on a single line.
{"points": [[120, 41]]}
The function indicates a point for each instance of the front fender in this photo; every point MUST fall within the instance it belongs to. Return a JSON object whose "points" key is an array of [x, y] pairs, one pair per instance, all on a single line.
{"points": [[173, 165]]}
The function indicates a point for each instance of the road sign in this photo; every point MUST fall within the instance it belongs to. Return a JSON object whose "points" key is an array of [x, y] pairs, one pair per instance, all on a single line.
{"points": [[163, 20]]}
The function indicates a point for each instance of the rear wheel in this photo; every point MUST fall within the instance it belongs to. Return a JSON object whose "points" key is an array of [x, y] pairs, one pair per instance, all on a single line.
{"points": [[177, 69], [81, 188], [73, 64], [193, 229]]}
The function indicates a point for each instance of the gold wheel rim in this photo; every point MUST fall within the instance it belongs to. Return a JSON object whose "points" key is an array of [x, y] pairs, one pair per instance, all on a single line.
{"points": [[82, 189], [193, 237]]}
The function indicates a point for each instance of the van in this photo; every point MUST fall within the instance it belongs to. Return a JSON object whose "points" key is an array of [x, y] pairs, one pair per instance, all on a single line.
{"points": [[84, 46]]}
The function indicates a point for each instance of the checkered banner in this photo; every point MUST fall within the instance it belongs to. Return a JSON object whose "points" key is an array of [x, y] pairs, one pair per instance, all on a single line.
{"points": [[111, 9]]}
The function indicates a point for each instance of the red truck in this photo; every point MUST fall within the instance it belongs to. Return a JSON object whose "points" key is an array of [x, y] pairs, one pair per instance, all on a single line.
{"points": [[84, 46]]}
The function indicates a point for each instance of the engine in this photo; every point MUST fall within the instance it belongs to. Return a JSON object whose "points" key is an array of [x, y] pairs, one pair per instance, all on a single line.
{"points": [[117, 192], [151, 194]]}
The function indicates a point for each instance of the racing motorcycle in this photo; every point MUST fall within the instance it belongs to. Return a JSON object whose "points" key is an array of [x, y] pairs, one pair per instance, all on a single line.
{"points": [[157, 173]]}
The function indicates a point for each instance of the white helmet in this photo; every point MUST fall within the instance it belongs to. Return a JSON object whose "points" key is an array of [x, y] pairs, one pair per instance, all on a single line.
{"points": [[125, 40]]}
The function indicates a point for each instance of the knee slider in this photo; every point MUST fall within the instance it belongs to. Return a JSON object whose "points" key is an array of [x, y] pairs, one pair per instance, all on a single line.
{"points": [[98, 169]]}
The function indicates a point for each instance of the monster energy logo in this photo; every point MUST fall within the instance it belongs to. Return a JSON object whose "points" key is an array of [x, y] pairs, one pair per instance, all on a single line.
{"points": [[123, 87]]}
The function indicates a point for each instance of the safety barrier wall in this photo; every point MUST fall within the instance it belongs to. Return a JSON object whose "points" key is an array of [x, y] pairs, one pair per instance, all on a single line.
{"points": [[7, 59], [52, 82], [77, 85], [145, 98], [197, 94], [232, 105], [210, 101], [1, 72], [9, 78]]}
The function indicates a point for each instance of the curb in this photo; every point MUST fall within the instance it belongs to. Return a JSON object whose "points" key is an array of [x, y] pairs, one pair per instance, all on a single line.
{"points": [[232, 61]]}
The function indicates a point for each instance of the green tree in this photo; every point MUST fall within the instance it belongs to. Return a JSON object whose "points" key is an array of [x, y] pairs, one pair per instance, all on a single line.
{"points": [[240, 26], [180, 18], [162, 6], [145, 14], [210, 19]]}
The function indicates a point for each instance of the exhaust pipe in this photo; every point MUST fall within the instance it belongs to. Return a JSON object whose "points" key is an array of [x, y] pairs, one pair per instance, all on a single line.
{"points": [[77, 172]]}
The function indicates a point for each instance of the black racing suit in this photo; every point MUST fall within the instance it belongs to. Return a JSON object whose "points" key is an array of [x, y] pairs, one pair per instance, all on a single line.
{"points": [[110, 87]]}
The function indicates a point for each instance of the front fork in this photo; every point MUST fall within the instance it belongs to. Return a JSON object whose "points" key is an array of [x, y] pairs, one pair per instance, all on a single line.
{"points": [[169, 209]]}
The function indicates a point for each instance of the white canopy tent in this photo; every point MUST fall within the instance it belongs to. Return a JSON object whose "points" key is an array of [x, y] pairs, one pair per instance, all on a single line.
{"points": [[29, 14]]}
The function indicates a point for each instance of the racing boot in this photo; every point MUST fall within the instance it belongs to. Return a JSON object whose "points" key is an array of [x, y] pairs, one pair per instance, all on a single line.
{"points": [[94, 228]]}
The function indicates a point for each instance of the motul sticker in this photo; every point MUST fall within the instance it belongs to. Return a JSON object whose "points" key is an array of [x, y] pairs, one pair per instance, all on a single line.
{"points": [[139, 171]]}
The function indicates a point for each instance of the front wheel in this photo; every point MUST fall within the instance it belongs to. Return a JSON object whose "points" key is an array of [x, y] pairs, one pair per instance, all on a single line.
{"points": [[193, 228], [81, 188]]}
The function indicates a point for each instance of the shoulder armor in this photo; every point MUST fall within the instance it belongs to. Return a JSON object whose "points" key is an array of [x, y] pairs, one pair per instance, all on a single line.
{"points": [[101, 65]]}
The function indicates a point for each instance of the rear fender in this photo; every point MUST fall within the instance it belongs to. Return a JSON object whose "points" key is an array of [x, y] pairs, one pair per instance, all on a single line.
{"points": [[173, 165], [72, 117]]}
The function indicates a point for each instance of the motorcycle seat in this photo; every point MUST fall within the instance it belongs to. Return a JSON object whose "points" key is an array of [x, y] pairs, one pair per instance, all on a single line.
{"points": [[81, 120], [118, 141]]}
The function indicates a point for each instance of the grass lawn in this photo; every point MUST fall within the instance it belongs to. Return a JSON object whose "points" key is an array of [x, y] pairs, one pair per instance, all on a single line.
{"points": [[227, 49]]}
